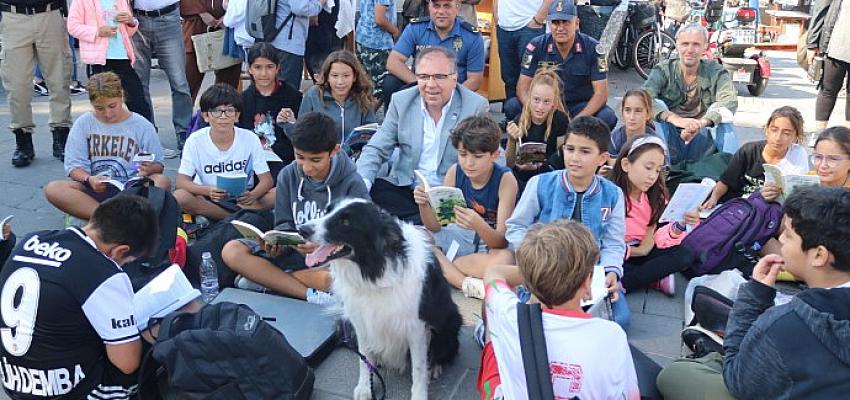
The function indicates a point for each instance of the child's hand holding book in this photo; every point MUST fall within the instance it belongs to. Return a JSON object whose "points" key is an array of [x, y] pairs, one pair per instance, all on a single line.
{"points": [[216, 194], [467, 218]]}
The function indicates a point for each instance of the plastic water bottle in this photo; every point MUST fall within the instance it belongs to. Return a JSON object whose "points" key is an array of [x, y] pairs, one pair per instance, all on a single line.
{"points": [[209, 278]]}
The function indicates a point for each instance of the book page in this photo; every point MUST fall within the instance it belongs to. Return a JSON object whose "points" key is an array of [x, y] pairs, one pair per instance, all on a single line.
{"points": [[688, 197], [792, 182], [248, 231], [283, 238], [773, 174], [597, 286]]}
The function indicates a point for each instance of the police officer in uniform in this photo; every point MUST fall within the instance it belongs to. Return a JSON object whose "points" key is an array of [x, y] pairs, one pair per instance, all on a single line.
{"points": [[573, 53], [67, 328], [443, 28]]}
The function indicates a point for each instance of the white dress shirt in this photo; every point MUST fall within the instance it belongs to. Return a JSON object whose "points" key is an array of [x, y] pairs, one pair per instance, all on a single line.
{"points": [[429, 161]]}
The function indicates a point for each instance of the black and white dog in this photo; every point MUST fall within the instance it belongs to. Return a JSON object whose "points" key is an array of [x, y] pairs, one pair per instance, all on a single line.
{"points": [[390, 288]]}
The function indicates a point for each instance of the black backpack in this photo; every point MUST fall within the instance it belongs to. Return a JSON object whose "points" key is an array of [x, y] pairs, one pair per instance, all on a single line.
{"points": [[143, 269], [224, 351]]}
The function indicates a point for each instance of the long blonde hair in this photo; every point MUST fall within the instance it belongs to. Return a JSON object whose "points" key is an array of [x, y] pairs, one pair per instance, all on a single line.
{"points": [[549, 77]]}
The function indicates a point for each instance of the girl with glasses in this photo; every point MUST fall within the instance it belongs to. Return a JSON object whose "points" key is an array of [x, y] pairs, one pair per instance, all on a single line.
{"points": [[831, 158]]}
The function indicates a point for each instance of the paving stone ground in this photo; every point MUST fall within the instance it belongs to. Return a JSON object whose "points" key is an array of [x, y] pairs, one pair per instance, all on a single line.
{"points": [[656, 319]]}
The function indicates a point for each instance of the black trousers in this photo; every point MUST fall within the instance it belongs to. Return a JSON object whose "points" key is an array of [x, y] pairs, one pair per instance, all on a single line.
{"points": [[835, 74], [397, 200], [134, 94], [640, 272]]}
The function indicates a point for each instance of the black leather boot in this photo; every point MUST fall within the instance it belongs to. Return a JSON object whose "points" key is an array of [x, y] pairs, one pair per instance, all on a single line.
{"points": [[60, 137], [24, 151]]}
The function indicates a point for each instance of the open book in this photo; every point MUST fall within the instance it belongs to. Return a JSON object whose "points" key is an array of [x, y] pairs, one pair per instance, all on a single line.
{"points": [[6, 227], [597, 287], [688, 197], [359, 136], [164, 294], [443, 200], [788, 182], [121, 185], [271, 237], [531, 152]]}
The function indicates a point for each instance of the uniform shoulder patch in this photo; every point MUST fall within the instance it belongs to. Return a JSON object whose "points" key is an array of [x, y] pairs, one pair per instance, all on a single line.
{"points": [[468, 26]]}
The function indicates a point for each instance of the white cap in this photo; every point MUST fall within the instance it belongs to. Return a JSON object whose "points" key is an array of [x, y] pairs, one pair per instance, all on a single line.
{"points": [[164, 294]]}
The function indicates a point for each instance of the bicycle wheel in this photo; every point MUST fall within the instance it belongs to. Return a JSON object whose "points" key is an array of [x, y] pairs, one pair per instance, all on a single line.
{"points": [[621, 53], [651, 47]]}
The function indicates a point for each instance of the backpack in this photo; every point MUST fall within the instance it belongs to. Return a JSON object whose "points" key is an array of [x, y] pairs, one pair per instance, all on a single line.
{"points": [[224, 351], [143, 269], [261, 20], [732, 235]]}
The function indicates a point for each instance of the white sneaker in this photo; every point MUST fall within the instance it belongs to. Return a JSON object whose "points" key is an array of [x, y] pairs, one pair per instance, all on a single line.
{"points": [[473, 287], [315, 296], [247, 284], [171, 153]]}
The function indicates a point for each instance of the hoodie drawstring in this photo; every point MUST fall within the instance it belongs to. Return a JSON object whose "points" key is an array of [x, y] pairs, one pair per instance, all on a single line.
{"points": [[301, 196]]}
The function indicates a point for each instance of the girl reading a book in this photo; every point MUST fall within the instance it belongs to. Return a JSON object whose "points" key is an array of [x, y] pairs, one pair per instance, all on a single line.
{"points": [[105, 144], [652, 255], [636, 109], [344, 92], [781, 147], [543, 120]]}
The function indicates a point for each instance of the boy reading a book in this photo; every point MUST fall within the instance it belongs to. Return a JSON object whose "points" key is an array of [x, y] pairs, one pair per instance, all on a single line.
{"points": [[221, 150], [490, 193], [319, 175], [109, 143], [579, 194], [556, 262]]}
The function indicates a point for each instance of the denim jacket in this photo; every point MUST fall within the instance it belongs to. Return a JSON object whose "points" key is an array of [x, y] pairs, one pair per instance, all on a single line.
{"points": [[718, 94], [550, 196]]}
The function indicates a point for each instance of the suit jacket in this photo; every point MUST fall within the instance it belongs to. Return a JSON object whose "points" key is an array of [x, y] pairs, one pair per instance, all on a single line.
{"points": [[403, 128]]}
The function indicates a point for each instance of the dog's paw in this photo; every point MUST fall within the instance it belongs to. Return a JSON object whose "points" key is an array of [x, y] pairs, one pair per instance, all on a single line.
{"points": [[363, 392], [435, 372]]}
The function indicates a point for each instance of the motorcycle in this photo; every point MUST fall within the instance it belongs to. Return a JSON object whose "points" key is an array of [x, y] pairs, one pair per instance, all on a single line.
{"points": [[732, 45]]}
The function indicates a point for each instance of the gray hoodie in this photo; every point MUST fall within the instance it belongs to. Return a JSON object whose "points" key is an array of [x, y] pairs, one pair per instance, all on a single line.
{"points": [[299, 199], [347, 117]]}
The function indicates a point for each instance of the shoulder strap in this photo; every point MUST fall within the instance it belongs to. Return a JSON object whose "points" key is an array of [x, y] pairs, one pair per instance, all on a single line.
{"points": [[535, 360]]}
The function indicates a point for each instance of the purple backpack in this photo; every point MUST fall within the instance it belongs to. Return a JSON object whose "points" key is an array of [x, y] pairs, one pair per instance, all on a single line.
{"points": [[731, 236]]}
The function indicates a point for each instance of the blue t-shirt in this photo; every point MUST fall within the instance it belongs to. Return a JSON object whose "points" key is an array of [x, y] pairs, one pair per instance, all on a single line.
{"points": [[578, 70], [368, 33], [484, 201], [464, 40], [115, 50]]}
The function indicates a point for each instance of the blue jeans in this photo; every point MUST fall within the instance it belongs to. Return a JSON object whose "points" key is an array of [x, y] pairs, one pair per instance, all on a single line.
{"points": [[621, 313], [702, 144], [163, 35], [291, 69], [511, 48]]}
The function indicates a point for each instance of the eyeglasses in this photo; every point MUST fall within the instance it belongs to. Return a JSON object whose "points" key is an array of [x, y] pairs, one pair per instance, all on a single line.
{"points": [[828, 160], [436, 77], [219, 112]]}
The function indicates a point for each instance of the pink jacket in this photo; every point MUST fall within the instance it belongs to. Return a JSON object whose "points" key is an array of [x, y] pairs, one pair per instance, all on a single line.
{"points": [[84, 19]]}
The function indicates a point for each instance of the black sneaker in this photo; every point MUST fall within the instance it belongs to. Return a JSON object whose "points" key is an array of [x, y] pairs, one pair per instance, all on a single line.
{"points": [[77, 89], [701, 341], [40, 89]]}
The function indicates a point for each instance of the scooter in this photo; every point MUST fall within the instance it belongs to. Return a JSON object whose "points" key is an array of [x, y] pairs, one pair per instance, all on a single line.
{"points": [[734, 49]]}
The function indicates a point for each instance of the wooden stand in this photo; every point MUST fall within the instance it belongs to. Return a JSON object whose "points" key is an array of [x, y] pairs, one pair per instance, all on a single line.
{"points": [[492, 88]]}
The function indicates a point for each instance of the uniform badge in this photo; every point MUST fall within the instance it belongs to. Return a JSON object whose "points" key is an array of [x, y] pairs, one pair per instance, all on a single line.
{"points": [[560, 6], [530, 46], [458, 43], [526, 62]]}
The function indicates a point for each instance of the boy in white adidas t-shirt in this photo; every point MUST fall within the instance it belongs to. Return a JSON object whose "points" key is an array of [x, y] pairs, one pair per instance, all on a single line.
{"points": [[222, 149], [589, 358]]}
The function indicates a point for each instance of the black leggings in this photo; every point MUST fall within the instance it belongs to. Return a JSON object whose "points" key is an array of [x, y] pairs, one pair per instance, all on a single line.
{"points": [[640, 272], [834, 74]]}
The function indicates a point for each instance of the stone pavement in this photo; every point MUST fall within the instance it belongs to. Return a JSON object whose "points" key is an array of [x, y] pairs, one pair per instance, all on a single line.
{"points": [[656, 319]]}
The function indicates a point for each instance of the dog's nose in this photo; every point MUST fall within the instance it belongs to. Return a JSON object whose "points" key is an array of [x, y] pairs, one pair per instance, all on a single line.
{"points": [[306, 230]]}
